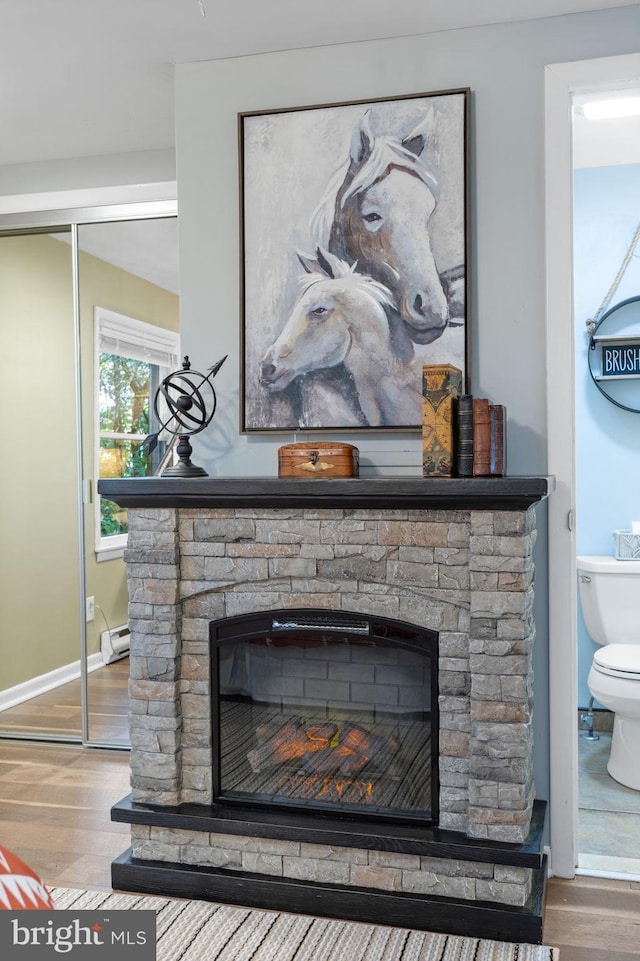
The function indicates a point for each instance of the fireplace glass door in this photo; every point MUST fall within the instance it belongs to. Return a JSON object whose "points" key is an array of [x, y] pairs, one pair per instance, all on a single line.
{"points": [[326, 711]]}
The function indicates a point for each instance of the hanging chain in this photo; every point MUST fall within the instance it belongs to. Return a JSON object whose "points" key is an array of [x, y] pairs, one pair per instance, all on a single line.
{"points": [[592, 322]]}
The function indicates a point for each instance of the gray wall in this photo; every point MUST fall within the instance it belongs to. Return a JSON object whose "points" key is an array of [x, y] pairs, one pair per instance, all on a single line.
{"points": [[504, 67]]}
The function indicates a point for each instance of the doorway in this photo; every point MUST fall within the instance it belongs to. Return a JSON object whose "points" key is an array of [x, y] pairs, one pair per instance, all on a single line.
{"points": [[564, 83], [606, 162], [66, 664]]}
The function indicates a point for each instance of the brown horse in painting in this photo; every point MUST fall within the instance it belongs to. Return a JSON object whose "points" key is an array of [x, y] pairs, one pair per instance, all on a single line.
{"points": [[376, 214]]}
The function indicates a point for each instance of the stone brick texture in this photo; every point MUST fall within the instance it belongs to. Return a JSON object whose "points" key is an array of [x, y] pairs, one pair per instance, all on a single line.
{"points": [[466, 574], [376, 870]]}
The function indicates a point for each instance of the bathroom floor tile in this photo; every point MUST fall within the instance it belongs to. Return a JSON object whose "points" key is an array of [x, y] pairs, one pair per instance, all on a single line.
{"points": [[604, 832], [600, 792], [593, 755], [608, 813]]}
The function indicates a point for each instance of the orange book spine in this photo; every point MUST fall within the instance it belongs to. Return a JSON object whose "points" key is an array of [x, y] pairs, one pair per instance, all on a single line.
{"points": [[481, 437]]}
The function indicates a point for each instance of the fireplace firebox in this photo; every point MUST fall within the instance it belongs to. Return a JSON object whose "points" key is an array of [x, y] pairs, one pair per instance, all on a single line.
{"points": [[326, 711]]}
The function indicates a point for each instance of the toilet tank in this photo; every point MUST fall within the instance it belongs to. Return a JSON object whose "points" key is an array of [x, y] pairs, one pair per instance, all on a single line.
{"points": [[610, 599]]}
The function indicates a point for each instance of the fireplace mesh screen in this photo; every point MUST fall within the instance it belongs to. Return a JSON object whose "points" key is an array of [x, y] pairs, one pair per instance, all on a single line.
{"points": [[322, 716]]}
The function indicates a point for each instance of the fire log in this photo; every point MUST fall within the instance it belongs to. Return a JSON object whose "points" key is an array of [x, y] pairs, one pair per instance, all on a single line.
{"points": [[357, 747], [293, 740], [380, 748]]}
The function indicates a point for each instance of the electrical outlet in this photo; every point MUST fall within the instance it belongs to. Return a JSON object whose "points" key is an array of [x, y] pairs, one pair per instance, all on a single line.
{"points": [[91, 608]]}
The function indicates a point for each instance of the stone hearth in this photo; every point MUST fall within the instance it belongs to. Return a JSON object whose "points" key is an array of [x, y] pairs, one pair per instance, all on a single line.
{"points": [[455, 558]]}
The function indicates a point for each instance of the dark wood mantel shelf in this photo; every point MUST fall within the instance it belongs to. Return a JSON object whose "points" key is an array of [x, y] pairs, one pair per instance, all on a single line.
{"points": [[380, 493]]}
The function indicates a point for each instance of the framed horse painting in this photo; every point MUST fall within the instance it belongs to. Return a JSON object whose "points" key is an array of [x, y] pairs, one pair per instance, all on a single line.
{"points": [[354, 259]]}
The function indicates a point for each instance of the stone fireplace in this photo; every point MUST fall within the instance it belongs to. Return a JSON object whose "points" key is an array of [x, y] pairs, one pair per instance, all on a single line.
{"points": [[409, 612]]}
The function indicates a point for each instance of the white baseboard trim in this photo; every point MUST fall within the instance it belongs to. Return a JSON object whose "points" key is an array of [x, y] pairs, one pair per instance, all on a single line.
{"points": [[46, 682]]}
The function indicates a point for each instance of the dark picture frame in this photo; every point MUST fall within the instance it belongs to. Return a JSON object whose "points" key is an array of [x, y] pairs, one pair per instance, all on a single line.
{"points": [[354, 259]]}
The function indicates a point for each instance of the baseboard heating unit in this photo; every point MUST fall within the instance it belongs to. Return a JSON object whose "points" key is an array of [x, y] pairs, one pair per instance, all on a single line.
{"points": [[115, 643]]}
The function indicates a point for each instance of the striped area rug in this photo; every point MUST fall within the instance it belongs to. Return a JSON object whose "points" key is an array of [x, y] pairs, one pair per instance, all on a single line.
{"points": [[203, 931]]}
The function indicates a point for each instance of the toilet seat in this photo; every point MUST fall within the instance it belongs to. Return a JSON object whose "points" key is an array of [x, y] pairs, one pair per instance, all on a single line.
{"points": [[618, 660]]}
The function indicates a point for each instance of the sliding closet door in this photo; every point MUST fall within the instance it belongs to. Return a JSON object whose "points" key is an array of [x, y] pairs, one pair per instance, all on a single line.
{"points": [[40, 606]]}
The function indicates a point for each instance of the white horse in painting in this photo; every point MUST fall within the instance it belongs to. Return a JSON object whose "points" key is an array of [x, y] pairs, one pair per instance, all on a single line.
{"points": [[342, 317]]}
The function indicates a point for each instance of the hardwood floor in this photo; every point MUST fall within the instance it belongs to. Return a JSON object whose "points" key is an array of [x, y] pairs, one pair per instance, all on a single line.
{"points": [[593, 919], [55, 803], [58, 711]]}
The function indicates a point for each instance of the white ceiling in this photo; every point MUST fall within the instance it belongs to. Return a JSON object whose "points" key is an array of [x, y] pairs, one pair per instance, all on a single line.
{"points": [[91, 77]]}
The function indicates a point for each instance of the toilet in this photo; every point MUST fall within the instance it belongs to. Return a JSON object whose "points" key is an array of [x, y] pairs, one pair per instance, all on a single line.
{"points": [[610, 601]]}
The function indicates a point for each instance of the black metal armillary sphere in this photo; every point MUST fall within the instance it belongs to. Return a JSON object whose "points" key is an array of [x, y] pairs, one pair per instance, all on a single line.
{"points": [[191, 401]]}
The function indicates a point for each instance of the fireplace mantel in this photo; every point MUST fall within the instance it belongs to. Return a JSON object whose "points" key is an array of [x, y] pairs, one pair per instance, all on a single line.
{"points": [[382, 493]]}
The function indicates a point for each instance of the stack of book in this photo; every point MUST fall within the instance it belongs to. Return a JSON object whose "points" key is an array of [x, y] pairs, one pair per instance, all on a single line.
{"points": [[462, 435], [479, 437]]}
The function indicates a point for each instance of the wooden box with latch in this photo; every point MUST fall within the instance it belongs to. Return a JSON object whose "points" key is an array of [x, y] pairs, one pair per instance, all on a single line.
{"points": [[318, 459]]}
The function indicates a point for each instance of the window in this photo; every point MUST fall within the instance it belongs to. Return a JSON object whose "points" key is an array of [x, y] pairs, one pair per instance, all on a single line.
{"points": [[132, 358]]}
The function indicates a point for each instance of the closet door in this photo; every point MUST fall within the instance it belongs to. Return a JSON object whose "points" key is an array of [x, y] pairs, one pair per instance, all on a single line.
{"points": [[40, 603]]}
